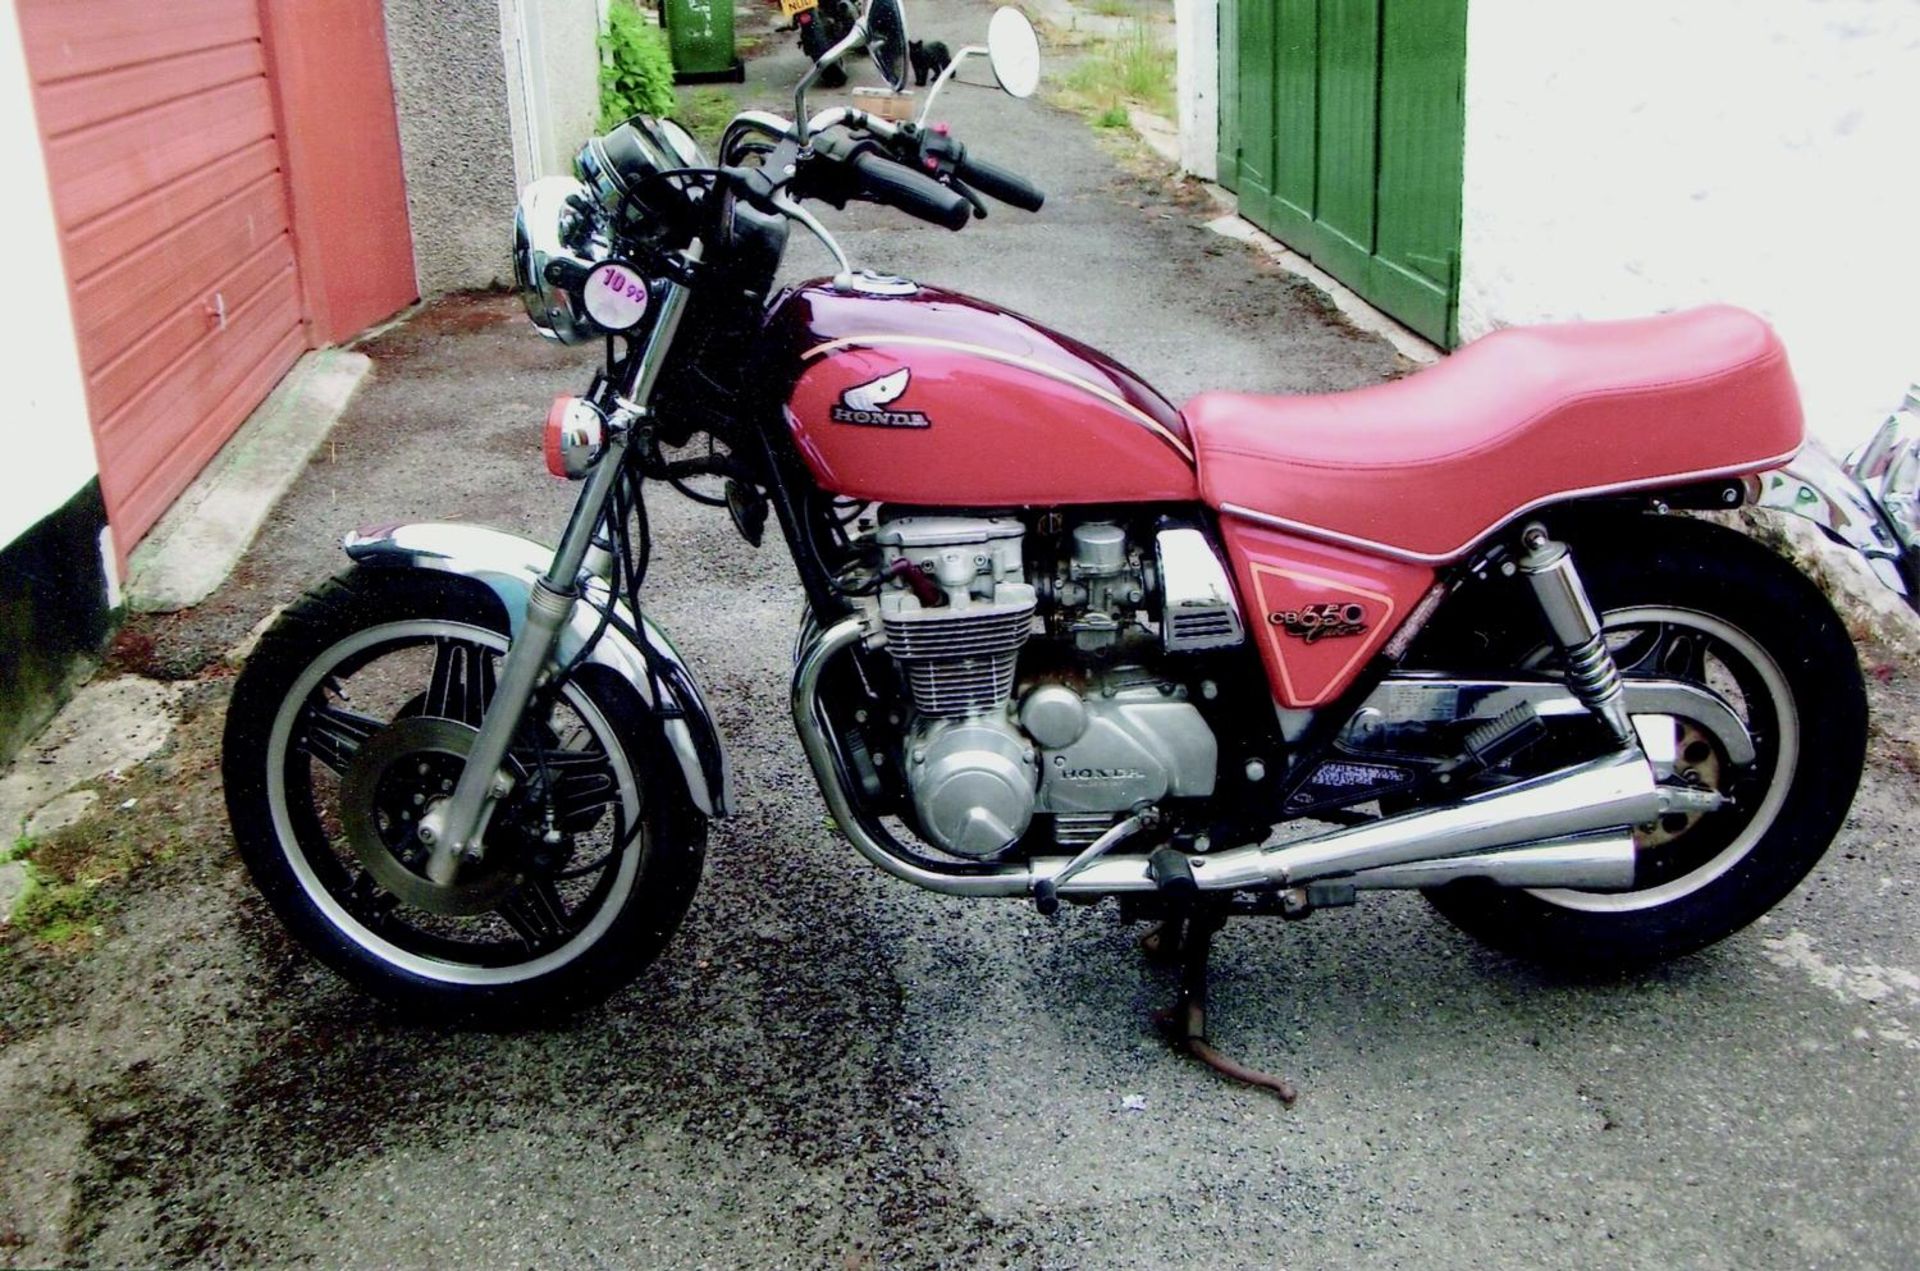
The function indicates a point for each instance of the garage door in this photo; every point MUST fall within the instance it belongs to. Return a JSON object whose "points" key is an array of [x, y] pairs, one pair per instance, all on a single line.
{"points": [[1340, 129], [159, 128]]}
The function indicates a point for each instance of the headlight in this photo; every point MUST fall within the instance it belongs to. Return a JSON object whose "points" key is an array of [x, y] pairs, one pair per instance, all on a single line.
{"points": [[554, 245]]}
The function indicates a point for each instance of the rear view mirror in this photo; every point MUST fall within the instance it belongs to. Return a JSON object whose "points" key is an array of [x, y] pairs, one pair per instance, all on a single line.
{"points": [[1013, 49], [886, 24]]}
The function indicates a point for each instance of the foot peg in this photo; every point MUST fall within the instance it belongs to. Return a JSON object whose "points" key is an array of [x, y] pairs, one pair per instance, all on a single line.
{"points": [[1495, 742], [1172, 873]]}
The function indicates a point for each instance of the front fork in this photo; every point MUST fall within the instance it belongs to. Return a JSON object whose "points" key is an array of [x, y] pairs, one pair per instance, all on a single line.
{"points": [[454, 830]]}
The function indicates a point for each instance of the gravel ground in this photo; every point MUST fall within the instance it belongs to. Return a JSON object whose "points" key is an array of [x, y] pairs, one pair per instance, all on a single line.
{"points": [[830, 1068]]}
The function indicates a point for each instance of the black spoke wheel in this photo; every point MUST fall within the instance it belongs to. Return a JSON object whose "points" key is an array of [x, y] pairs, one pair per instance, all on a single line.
{"points": [[1683, 599], [353, 720]]}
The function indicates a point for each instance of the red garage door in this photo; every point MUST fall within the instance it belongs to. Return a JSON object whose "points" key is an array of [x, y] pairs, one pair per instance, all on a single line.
{"points": [[162, 128]]}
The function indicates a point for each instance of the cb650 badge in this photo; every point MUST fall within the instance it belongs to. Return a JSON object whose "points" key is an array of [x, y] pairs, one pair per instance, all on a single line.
{"points": [[1323, 621]]}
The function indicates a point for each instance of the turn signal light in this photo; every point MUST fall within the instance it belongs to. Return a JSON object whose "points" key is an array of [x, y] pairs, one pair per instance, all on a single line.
{"points": [[576, 434]]}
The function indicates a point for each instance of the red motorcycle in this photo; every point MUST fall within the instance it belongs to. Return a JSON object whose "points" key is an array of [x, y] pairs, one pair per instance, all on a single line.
{"points": [[1062, 640]]}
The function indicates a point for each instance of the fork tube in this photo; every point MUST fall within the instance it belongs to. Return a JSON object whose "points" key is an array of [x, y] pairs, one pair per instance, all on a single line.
{"points": [[454, 829], [563, 575]]}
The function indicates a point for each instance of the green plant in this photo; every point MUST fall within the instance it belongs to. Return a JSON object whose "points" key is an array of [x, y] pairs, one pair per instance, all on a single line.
{"points": [[72, 872], [57, 912], [636, 71], [1136, 68], [705, 112]]}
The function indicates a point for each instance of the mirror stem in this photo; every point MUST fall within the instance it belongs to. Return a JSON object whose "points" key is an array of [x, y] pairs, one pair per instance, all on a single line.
{"points": [[926, 107], [855, 38]]}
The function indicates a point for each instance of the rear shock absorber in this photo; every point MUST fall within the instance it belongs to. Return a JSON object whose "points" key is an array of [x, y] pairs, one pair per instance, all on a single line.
{"points": [[1591, 673]]}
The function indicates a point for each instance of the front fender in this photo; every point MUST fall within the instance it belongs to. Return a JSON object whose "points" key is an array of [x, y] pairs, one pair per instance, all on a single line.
{"points": [[508, 565]]}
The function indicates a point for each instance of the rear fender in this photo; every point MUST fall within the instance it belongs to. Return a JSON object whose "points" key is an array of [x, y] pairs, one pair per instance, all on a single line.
{"points": [[508, 565], [1813, 486]]}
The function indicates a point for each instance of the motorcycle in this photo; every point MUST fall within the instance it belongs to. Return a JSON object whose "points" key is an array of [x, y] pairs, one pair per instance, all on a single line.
{"points": [[821, 27], [1061, 641]]}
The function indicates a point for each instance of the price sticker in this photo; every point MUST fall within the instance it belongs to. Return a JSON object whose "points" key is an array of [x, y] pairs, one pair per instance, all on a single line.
{"points": [[615, 295]]}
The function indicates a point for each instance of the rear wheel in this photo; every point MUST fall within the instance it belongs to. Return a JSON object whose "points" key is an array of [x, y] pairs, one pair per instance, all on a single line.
{"points": [[1683, 599], [353, 718]]}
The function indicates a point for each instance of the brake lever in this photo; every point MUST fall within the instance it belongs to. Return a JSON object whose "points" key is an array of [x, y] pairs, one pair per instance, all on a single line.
{"points": [[961, 188]]}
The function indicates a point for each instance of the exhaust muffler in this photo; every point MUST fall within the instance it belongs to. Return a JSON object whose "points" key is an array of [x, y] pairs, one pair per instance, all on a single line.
{"points": [[1564, 829], [1603, 862]]}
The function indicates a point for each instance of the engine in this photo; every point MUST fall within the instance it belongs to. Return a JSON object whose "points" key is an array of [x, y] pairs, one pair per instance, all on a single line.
{"points": [[1029, 660]]}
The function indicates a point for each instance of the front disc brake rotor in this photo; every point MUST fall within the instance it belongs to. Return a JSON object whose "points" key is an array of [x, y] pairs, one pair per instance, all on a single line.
{"points": [[394, 780]]}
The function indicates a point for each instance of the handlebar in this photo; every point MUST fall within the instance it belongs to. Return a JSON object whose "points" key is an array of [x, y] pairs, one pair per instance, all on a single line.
{"points": [[1000, 183], [892, 183]]}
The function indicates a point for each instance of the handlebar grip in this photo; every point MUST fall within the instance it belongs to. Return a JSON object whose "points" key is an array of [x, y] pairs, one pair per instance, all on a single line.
{"points": [[997, 182], [917, 195]]}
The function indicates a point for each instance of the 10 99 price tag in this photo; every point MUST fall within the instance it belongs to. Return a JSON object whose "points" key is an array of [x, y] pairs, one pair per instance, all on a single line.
{"points": [[615, 296]]}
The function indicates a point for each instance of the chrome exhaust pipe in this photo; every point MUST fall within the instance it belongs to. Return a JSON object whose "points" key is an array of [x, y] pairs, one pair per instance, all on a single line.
{"points": [[1603, 862], [1550, 822], [1609, 793]]}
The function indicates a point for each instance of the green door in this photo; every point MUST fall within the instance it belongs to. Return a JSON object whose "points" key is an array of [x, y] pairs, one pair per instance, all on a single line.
{"points": [[1341, 130]]}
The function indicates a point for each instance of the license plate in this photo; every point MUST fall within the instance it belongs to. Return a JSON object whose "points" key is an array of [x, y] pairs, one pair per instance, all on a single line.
{"points": [[794, 8]]}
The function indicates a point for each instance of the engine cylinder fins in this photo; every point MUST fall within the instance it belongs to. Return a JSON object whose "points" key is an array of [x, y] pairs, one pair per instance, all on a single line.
{"points": [[961, 662], [961, 687]]}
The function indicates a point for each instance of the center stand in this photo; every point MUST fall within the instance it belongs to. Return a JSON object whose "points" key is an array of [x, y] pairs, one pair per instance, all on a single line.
{"points": [[1186, 939]]}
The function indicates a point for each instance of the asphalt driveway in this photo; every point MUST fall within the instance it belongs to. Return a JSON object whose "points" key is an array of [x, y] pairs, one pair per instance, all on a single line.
{"points": [[830, 1068]]}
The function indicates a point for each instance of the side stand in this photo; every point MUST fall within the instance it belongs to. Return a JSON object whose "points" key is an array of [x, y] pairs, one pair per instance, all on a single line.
{"points": [[1189, 941]]}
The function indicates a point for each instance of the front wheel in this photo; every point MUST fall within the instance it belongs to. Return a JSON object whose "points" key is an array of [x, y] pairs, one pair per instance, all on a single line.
{"points": [[353, 719], [1688, 600]]}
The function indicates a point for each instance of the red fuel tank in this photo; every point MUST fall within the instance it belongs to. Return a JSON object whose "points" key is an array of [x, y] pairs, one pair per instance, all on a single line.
{"points": [[938, 399]]}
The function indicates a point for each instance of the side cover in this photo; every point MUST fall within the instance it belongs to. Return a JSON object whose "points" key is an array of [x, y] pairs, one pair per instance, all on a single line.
{"points": [[508, 565], [1318, 612]]}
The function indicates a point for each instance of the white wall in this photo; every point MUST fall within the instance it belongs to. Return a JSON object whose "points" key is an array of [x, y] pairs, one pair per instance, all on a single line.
{"points": [[570, 44], [552, 51], [48, 441], [1644, 155], [1197, 83]]}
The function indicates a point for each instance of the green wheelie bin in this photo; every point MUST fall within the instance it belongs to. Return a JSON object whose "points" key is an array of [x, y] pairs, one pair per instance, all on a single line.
{"points": [[700, 38]]}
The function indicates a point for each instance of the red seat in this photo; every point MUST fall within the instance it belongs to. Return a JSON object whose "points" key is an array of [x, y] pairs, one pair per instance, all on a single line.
{"points": [[1424, 467]]}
